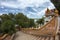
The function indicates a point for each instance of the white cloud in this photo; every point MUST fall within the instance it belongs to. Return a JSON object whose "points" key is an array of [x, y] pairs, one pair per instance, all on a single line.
{"points": [[41, 13], [12, 5], [36, 15], [2, 7], [22, 4], [51, 6]]}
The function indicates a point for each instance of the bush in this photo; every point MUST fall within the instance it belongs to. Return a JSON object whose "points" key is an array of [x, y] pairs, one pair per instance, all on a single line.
{"points": [[8, 27]]}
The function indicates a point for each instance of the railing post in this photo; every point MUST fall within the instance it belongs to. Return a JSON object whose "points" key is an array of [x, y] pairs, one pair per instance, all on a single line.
{"points": [[57, 28], [57, 37]]}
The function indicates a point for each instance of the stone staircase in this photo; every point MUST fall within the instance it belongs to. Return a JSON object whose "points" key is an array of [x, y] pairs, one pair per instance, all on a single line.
{"points": [[23, 36], [47, 38], [44, 38], [50, 31]]}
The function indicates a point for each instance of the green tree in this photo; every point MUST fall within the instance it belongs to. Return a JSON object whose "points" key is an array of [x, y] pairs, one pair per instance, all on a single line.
{"points": [[11, 15], [8, 27], [32, 24], [21, 19], [0, 21], [5, 17], [41, 21], [9, 21]]}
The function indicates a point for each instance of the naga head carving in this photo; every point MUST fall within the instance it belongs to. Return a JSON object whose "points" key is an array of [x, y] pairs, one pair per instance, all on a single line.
{"points": [[56, 4]]}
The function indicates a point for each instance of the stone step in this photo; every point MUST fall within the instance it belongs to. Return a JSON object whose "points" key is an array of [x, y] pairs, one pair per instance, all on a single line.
{"points": [[36, 38], [39, 38], [33, 37], [47, 38], [51, 38], [43, 38]]}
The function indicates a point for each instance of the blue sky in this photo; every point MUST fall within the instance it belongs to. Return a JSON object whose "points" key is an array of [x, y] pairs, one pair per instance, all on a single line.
{"points": [[30, 8]]}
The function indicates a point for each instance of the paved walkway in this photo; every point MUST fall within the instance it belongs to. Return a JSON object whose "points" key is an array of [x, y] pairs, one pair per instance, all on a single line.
{"points": [[22, 36]]}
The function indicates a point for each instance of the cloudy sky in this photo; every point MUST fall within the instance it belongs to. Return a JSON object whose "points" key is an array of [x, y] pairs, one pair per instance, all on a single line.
{"points": [[30, 8]]}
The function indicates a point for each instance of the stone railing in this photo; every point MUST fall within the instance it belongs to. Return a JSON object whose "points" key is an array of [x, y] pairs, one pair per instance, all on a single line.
{"points": [[3, 36], [49, 28], [46, 32], [6, 37]]}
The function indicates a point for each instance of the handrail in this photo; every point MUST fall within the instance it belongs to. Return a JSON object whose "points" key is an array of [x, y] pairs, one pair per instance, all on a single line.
{"points": [[47, 23], [4, 36], [41, 30]]}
